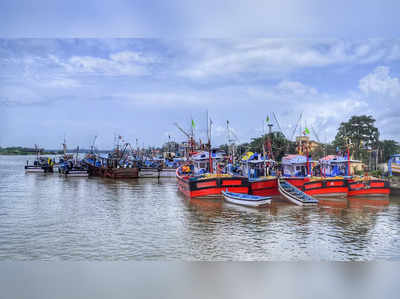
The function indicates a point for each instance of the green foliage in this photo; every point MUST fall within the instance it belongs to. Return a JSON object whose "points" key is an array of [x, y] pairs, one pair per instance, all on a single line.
{"points": [[377, 173], [361, 135], [279, 144], [388, 148], [18, 150]]}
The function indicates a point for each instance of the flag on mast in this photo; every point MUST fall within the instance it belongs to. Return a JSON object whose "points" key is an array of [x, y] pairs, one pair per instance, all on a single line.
{"points": [[267, 119], [193, 124]]}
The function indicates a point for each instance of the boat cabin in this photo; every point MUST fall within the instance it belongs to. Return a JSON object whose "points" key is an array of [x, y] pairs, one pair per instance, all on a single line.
{"points": [[201, 161], [333, 165], [254, 165], [296, 166], [394, 165]]}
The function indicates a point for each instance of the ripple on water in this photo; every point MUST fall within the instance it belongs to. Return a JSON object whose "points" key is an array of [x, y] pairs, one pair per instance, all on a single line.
{"points": [[49, 217]]}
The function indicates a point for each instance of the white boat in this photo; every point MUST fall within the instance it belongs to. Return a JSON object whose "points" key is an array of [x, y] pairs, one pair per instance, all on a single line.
{"points": [[34, 169], [246, 199], [75, 173], [154, 172], [294, 195]]}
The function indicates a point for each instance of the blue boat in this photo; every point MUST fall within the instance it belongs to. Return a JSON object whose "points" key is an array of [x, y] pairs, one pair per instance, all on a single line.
{"points": [[246, 199]]}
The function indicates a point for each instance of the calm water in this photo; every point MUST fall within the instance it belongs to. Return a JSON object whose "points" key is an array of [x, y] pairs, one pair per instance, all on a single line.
{"points": [[48, 217]]}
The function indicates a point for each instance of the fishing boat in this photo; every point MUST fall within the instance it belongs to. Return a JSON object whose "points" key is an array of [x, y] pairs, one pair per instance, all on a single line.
{"points": [[260, 173], [333, 176], [203, 177], [157, 169], [70, 165], [368, 186], [296, 169], [116, 165], [73, 168], [246, 199], [294, 195], [40, 164]]}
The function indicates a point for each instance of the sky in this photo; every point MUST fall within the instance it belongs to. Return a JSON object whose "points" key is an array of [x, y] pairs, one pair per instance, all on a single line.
{"points": [[74, 70]]}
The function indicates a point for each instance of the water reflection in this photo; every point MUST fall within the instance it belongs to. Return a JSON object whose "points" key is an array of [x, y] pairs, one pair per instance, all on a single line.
{"points": [[54, 217]]}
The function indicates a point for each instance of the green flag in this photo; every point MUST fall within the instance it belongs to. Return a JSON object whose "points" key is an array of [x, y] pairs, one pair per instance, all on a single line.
{"points": [[267, 119], [193, 124], [307, 131]]}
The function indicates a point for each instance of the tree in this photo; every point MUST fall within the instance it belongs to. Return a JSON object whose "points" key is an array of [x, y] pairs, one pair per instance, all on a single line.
{"points": [[360, 134], [388, 148], [279, 144]]}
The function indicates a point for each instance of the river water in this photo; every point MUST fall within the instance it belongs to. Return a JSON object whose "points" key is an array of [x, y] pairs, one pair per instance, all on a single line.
{"points": [[49, 217]]}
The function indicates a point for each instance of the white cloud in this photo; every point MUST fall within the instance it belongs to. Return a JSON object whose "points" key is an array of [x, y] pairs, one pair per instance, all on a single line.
{"points": [[296, 88], [380, 82], [123, 63], [275, 57]]}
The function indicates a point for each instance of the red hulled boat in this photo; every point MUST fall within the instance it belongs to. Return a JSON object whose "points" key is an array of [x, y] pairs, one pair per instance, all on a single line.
{"points": [[326, 187], [211, 185], [196, 181], [295, 170], [260, 173], [369, 186]]}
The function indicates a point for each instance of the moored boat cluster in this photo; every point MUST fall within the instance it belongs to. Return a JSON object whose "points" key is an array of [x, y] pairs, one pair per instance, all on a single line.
{"points": [[248, 179]]}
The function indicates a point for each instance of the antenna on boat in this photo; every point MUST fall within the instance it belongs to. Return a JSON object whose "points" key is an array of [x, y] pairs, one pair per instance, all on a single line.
{"points": [[297, 124], [93, 143], [279, 126], [65, 146]]}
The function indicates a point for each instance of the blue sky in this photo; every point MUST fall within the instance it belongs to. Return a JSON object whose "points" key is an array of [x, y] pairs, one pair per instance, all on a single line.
{"points": [[135, 69]]}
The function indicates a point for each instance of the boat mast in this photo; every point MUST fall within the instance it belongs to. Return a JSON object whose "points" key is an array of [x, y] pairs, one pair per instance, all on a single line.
{"points": [[37, 152], [209, 144], [65, 147], [263, 146]]}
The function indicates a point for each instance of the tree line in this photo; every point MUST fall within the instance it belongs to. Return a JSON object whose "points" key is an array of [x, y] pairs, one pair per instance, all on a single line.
{"points": [[358, 134]]}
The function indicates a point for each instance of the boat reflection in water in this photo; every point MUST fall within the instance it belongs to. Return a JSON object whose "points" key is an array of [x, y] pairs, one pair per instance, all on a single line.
{"points": [[365, 202], [339, 203]]}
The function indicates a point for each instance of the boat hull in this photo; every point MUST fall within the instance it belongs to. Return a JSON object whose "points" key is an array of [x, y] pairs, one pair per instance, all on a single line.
{"points": [[308, 200], [38, 169], [370, 188], [155, 173], [264, 187], [34, 170], [326, 188], [76, 173], [298, 182], [211, 187], [247, 203], [114, 173]]}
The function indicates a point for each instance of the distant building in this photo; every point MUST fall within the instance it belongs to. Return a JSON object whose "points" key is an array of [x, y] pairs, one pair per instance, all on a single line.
{"points": [[313, 145]]}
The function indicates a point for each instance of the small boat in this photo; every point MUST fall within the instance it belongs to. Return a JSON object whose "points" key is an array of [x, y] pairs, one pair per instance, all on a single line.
{"points": [[40, 165], [246, 199], [73, 169], [294, 195]]}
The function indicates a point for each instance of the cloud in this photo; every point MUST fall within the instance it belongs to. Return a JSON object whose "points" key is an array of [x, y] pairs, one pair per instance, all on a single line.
{"points": [[380, 82], [295, 88], [117, 64], [275, 57]]}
